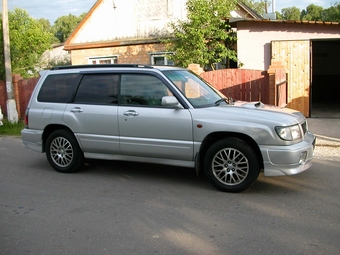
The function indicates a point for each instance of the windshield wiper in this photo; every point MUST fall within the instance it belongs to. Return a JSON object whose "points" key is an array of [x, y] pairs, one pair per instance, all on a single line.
{"points": [[219, 101], [228, 100]]}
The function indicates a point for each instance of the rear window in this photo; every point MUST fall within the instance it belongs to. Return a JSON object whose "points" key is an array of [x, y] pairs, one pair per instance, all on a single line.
{"points": [[58, 88]]}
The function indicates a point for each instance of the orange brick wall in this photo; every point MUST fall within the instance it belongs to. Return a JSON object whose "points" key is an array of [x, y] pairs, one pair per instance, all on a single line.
{"points": [[132, 54]]}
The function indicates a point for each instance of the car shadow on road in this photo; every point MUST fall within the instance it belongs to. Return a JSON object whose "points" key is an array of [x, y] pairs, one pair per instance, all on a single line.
{"points": [[146, 172], [132, 172], [140, 172], [278, 185]]}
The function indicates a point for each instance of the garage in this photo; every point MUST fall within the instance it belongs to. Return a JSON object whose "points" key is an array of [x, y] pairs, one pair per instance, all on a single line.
{"points": [[309, 52], [325, 78], [313, 68]]}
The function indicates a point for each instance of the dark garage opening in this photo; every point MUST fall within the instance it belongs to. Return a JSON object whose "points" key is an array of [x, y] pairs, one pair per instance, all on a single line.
{"points": [[325, 79]]}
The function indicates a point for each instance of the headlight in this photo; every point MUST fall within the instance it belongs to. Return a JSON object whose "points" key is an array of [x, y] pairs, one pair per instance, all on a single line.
{"points": [[289, 133]]}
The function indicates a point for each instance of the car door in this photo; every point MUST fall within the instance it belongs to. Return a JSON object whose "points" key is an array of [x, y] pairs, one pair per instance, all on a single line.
{"points": [[93, 114], [148, 129]]}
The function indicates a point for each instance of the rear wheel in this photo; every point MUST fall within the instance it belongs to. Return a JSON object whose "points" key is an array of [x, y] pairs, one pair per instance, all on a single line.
{"points": [[63, 152], [231, 165]]}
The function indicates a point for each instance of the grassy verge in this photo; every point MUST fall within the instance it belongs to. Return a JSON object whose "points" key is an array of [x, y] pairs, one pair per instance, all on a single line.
{"points": [[12, 129]]}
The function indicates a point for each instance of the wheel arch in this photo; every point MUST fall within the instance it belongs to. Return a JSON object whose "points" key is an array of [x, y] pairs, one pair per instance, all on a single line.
{"points": [[213, 137], [49, 130]]}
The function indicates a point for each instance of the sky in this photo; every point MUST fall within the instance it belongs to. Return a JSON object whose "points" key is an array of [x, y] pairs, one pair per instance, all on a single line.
{"points": [[54, 9]]}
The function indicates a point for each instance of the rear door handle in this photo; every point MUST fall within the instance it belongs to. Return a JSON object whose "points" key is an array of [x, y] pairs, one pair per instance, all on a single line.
{"points": [[77, 109], [131, 113]]}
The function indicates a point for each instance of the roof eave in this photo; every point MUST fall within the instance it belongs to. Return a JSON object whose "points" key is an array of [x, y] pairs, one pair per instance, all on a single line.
{"points": [[233, 21], [114, 43]]}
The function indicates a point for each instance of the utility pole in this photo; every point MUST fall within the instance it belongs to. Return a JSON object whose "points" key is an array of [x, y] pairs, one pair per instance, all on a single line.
{"points": [[12, 114]]}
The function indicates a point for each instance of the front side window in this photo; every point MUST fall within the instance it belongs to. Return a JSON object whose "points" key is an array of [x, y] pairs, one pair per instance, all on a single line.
{"points": [[141, 89], [98, 89], [58, 88], [198, 92]]}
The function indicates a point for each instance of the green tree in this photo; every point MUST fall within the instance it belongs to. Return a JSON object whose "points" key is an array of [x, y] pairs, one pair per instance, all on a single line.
{"points": [[48, 28], [28, 40], [205, 37], [45, 24], [313, 12], [64, 26], [291, 13], [279, 15], [332, 13]]}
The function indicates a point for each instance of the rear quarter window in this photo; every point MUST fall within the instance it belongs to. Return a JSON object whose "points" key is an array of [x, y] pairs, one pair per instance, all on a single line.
{"points": [[58, 88]]}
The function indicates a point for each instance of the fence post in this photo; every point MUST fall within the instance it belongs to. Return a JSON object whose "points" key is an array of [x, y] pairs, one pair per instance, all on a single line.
{"points": [[196, 68], [273, 100], [16, 78]]}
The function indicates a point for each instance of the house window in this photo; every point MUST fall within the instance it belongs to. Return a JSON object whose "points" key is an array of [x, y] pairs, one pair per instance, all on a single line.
{"points": [[103, 60], [161, 59]]}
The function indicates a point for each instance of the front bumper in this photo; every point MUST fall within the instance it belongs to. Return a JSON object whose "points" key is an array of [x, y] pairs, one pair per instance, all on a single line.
{"points": [[288, 160]]}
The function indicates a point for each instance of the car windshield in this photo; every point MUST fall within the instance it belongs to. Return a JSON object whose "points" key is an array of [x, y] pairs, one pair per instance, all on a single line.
{"points": [[195, 89]]}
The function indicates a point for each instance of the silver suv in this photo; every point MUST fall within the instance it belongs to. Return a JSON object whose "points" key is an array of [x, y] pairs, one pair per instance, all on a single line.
{"points": [[162, 115]]}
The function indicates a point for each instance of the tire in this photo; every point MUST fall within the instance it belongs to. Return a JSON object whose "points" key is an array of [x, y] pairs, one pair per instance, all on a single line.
{"points": [[231, 165], [63, 152]]}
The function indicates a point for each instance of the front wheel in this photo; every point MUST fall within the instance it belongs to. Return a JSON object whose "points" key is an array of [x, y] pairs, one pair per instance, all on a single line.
{"points": [[231, 165], [63, 152]]}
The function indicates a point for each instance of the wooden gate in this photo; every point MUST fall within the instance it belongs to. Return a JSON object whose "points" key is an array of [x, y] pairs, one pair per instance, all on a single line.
{"points": [[295, 56]]}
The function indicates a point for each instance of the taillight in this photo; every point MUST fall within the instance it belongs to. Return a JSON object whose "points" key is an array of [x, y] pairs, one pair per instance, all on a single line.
{"points": [[26, 119]]}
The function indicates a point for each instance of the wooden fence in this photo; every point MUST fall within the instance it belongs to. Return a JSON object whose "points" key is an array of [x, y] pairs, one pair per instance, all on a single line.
{"points": [[22, 89], [240, 84]]}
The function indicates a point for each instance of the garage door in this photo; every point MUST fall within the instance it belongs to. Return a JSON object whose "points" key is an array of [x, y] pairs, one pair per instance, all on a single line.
{"points": [[295, 56]]}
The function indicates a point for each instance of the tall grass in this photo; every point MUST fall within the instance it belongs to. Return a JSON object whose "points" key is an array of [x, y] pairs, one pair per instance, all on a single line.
{"points": [[12, 129]]}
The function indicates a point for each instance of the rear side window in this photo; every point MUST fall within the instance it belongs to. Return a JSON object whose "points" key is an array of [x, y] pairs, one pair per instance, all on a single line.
{"points": [[58, 88], [98, 89]]}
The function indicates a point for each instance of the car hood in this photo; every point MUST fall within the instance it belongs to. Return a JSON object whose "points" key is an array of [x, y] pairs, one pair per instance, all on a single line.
{"points": [[255, 112], [270, 108]]}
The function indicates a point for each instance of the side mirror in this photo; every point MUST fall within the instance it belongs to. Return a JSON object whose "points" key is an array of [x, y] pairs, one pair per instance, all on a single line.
{"points": [[171, 101]]}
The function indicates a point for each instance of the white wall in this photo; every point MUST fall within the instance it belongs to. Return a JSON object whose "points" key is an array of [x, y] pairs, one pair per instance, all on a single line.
{"points": [[57, 53], [131, 19]]}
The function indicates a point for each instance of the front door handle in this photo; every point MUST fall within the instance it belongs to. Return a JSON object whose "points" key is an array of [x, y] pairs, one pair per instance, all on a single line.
{"points": [[131, 113], [77, 109]]}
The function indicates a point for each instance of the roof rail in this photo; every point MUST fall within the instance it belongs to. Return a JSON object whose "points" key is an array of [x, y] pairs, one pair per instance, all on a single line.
{"points": [[100, 66]]}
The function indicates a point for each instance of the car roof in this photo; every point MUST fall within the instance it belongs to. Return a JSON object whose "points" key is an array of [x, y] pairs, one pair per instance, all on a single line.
{"points": [[105, 66]]}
